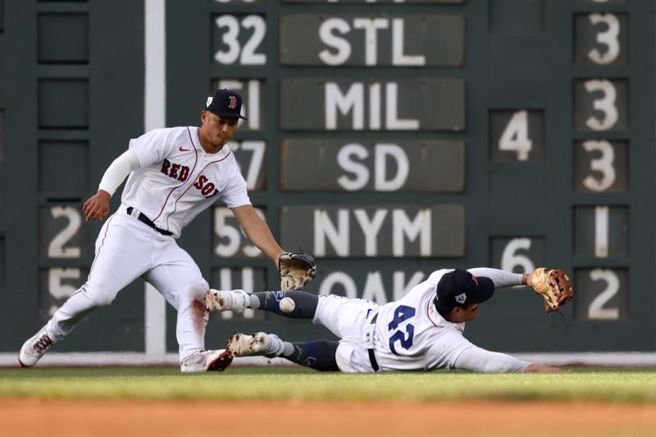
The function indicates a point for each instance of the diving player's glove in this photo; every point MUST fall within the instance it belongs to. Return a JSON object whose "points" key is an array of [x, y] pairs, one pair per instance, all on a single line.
{"points": [[553, 285]]}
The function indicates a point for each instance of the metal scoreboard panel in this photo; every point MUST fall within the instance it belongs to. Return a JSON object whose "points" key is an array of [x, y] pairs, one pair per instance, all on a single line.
{"points": [[376, 1], [381, 40], [417, 104], [438, 166], [70, 101], [522, 126], [389, 138], [373, 231]]}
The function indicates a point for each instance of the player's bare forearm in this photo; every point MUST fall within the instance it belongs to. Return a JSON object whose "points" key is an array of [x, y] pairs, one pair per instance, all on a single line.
{"points": [[97, 206], [541, 368], [261, 236], [258, 231]]}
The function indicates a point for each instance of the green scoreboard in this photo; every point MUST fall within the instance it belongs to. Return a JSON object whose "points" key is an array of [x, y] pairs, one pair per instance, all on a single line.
{"points": [[388, 138]]}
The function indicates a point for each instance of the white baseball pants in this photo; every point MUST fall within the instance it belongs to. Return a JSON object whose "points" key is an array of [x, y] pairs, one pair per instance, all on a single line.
{"points": [[347, 319], [125, 250]]}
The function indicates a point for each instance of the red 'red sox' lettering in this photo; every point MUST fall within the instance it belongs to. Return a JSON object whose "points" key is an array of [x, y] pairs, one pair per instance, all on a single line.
{"points": [[175, 171], [206, 189]]}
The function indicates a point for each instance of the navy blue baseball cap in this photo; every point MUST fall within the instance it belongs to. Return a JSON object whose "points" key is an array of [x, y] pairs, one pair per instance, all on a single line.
{"points": [[459, 288], [225, 103]]}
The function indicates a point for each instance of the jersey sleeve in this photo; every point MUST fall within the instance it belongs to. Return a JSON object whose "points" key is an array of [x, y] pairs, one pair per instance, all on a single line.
{"points": [[119, 169], [500, 278], [153, 146], [445, 349], [236, 192], [476, 359]]}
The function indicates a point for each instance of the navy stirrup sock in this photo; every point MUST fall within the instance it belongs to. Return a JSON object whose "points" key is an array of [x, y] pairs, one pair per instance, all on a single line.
{"points": [[305, 304], [317, 354]]}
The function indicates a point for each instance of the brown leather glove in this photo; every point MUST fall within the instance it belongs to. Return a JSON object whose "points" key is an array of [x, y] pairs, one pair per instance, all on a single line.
{"points": [[553, 285], [296, 270]]}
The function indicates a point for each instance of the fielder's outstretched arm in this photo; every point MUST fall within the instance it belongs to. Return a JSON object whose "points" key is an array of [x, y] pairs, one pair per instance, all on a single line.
{"points": [[258, 231], [552, 285], [501, 278], [477, 359]]}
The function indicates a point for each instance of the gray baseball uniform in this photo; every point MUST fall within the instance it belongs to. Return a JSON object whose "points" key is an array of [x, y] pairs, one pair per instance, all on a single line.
{"points": [[409, 334]]}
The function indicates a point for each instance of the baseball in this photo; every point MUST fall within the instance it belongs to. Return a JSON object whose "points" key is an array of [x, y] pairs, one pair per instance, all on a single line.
{"points": [[287, 305]]}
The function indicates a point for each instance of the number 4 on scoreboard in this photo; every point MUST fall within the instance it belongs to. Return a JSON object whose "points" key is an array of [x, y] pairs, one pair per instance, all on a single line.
{"points": [[516, 135]]}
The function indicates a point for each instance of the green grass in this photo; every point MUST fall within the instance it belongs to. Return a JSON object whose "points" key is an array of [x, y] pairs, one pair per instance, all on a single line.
{"points": [[628, 385]]}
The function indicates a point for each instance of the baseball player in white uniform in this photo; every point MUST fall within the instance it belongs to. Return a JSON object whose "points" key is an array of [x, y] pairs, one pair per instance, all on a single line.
{"points": [[174, 174], [421, 331]]}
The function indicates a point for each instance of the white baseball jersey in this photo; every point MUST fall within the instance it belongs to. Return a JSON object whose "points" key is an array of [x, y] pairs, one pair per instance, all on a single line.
{"points": [[409, 334], [412, 335], [177, 179]]}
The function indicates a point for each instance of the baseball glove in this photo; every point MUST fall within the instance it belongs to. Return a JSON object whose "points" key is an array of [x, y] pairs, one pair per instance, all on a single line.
{"points": [[553, 285], [296, 270]]}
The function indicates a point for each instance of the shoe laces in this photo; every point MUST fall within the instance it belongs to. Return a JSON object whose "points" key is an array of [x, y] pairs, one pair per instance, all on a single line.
{"points": [[42, 344]]}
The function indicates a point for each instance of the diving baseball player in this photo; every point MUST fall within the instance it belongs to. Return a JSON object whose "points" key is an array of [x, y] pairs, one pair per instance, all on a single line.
{"points": [[174, 174], [421, 331]]}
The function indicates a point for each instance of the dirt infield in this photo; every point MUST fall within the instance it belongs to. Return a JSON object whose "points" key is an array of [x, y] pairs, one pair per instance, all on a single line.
{"points": [[211, 418]]}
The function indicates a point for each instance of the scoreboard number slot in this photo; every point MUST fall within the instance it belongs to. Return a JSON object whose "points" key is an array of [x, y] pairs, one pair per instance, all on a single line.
{"points": [[601, 166], [601, 231], [601, 105], [239, 38], [229, 238], [517, 135], [56, 248], [517, 254], [62, 235], [250, 156], [601, 294], [609, 38], [57, 284]]}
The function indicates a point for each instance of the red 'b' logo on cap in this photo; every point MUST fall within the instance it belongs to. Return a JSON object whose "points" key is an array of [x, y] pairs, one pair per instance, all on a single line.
{"points": [[232, 102]]}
